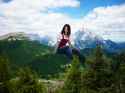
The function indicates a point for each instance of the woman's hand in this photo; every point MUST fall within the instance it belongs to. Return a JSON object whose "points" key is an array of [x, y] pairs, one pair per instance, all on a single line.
{"points": [[69, 42]]}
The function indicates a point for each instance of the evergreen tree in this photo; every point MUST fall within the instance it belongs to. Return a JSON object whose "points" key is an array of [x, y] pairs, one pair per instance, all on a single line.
{"points": [[72, 83], [98, 78], [27, 82], [4, 74], [119, 73]]}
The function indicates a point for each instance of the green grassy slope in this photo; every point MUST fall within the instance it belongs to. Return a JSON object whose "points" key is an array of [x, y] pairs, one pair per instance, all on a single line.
{"points": [[33, 54]]}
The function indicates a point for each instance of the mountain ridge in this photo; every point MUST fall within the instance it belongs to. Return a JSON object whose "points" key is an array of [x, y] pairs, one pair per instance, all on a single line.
{"points": [[82, 40]]}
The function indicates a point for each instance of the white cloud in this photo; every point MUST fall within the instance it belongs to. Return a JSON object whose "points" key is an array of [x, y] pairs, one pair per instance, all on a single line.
{"points": [[42, 5], [109, 22], [30, 16]]}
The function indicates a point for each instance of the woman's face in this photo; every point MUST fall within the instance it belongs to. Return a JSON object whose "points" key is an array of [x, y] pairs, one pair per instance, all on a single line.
{"points": [[66, 30]]}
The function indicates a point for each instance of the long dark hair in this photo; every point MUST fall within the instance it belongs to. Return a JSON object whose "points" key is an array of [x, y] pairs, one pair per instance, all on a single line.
{"points": [[69, 29]]}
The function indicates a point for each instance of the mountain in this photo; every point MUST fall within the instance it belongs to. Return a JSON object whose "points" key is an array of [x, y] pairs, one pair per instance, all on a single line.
{"points": [[14, 36], [22, 51], [88, 40], [84, 40], [46, 40]]}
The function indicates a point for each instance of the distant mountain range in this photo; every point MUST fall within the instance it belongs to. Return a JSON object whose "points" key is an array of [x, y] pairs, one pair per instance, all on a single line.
{"points": [[88, 40], [82, 40]]}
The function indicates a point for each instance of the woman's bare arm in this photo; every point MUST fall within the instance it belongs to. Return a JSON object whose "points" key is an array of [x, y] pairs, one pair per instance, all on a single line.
{"points": [[70, 44], [57, 43]]}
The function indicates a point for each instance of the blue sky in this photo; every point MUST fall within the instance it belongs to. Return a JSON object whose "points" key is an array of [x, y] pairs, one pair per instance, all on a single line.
{"points": [[6, 1], [47, 17], [86, 6]]}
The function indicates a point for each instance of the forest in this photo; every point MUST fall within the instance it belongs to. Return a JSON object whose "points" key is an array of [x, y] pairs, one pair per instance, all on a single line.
{"points": [[100, 73]]}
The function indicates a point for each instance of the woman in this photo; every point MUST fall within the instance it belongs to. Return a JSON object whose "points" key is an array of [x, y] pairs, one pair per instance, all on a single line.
{"points": [[64, 44]]}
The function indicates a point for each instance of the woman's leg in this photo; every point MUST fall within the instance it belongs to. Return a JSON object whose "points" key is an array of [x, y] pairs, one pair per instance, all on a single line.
{"points": [[68, 52], [80, 56], [60, 51]]}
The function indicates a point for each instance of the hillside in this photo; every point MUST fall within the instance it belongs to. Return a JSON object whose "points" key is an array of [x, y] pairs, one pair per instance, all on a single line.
{"points": [[39, 57]]}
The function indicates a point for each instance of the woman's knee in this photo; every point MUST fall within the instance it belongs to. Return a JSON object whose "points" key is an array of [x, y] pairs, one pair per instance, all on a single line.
{"points": [[76, 51], [69, 53], [79, 54]]}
